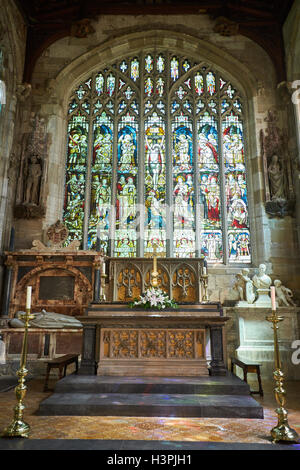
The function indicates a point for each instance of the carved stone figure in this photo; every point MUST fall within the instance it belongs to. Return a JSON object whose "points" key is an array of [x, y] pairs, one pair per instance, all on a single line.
{"points": [[226, 27], [23, 91], [30, 193], [279, 192], [276, 179], [82, 28], [45, 319], [283, 294], [244, 286], [33, 181], [262, 282]]}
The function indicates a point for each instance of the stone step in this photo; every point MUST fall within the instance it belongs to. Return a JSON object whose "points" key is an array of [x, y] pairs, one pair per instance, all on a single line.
{"points": [[147, 404], [219, 385]]}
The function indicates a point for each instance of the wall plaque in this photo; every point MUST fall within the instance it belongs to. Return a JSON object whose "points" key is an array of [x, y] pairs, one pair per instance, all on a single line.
{"points": [[56, 288]]}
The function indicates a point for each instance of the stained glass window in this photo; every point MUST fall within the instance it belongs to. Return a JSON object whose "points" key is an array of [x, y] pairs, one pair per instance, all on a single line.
{"points": [[156, 155]]}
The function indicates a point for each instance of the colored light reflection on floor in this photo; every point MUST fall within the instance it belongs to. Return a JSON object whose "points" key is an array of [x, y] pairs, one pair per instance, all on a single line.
{"points": [[146, 428]]}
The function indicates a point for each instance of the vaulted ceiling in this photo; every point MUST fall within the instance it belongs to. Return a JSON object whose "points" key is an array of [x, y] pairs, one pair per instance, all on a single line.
{"points": [[259, 20]]}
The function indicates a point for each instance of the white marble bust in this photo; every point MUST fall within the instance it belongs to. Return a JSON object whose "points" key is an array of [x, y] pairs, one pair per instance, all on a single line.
{"points": [[262, 280]]}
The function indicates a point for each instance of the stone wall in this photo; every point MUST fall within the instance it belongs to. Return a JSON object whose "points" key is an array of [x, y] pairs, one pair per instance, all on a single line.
{"points": [[291, 34], [12, 45], [67, 61]]}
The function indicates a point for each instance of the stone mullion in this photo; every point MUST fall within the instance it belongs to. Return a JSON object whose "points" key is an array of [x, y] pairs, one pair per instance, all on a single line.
{"points": [[198, 222], [141, 167], [169, 168], [222, 183], [112, 215], [246, 147]]}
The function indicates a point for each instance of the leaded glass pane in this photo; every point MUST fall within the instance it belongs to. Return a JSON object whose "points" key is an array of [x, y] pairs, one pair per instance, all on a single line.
{"points": [[135, 69], [126, 202], [210, 83], [155, 184], [199, 84], [183, 188], [74, 200], [101, 182], [148, 63], [174, 69], [209, 188], [99, 84], [236, 190], [160, 64], [110, 84]]}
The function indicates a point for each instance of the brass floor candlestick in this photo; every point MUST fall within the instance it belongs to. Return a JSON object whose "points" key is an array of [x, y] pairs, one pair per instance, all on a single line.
{"points": [[281, 432], [18, 428]]}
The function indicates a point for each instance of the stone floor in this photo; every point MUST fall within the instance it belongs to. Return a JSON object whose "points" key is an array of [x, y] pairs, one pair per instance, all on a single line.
{"points": [[213, 430]]}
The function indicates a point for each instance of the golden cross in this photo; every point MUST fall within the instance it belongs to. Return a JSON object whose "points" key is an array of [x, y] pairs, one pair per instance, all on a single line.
{"points": [[154, 273]]}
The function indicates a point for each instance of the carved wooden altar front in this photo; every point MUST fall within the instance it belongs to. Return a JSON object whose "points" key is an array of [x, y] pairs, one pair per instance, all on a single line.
{"points": [[133, 342]]}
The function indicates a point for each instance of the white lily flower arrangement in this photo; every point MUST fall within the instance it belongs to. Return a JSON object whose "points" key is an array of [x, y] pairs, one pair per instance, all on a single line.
{"points": [[154, 299]]}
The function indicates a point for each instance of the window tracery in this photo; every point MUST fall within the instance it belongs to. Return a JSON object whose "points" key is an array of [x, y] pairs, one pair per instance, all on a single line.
{"points": [[156, 156]]}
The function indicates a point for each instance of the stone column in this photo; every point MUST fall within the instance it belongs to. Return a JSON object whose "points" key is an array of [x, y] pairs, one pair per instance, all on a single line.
{"points": [[88, 364], [217, 365]]}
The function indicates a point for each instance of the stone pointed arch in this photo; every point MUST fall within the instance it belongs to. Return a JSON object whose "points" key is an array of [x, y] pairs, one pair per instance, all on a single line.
{"points": [[122, 45], [112, 50]]}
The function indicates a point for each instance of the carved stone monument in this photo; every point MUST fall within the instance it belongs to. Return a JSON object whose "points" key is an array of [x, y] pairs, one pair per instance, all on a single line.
{"points": [[279, 192], [244, 286], [283, 294], [47, 320], [32, 171], [255, 292]]}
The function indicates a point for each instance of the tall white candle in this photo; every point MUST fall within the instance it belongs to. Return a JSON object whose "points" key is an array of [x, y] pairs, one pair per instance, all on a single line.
{"points": [[204, 271], [28, 297], [273, 298], [103, 267]]}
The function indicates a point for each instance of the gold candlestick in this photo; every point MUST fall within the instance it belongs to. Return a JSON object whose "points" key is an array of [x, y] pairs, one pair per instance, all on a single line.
{"points": [[154, 273], [102, 287], [18, 428], [204, 279], [281, 432]]}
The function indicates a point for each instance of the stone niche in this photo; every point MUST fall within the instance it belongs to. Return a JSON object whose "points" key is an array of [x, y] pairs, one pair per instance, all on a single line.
{"points": [[250, 338]]}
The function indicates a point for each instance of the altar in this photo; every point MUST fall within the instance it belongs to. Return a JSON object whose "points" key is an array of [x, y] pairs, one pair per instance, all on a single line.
{"points": [[133, 342]]}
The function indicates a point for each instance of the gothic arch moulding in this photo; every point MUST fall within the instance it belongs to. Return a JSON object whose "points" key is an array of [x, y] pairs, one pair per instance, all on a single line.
{"points": [[129, 44]]}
